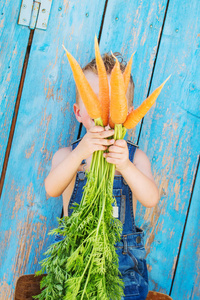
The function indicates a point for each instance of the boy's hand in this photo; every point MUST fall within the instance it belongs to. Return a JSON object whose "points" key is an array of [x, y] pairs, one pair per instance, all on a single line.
{"points": [[118, 154], [95, 139]]}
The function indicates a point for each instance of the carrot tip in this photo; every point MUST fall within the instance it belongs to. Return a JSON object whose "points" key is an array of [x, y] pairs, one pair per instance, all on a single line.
{"points": [[64, 48], [168, 77], [96, 44], [113, 55], [165, 80], [133, 54]]}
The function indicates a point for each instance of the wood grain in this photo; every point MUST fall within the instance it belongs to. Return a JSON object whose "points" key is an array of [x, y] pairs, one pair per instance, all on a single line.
{"points": [[170, 132], [14, 40], [187, 277], [170, 137], [134, 27], [45, 123]]}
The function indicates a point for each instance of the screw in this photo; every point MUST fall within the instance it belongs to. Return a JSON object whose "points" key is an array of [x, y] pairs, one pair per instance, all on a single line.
{"points": [[24, 6], [43, 10], [176, 30], [151, 25], [24, 20], [87, 15], [60, 8], [44, 25], [116, 19]]}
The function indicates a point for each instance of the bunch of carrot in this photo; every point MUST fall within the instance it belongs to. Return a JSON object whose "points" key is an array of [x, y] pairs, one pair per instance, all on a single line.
{"points": [[112, 110], [85, 265]]}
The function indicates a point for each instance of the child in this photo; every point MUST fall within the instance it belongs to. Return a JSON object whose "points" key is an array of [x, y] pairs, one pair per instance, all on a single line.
{"points": [[133, 176]]}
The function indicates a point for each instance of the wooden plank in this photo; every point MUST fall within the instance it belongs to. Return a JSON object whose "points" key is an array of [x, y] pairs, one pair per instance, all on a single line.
{"points": [[170, 137], [134, 26], [14, 40], [187, 279], [45, 123]]}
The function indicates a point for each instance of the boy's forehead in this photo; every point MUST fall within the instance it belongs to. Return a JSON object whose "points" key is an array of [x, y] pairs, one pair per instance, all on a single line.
{"points": [[93, 80]]}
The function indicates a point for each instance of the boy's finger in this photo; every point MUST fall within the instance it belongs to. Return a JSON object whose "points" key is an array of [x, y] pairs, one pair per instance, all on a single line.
{"points": [[113, 161], [115, 149], [112, 155], [107, 133], [96, 129], [104, 142], [120, 143], [102, 131], [100, 147], [103, 134]]}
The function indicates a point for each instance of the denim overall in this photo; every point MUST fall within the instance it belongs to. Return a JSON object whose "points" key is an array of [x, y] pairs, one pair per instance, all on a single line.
{"points": [[130, 249]]}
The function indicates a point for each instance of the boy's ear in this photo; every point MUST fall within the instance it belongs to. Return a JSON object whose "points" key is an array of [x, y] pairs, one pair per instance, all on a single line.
{"points": [[77, 112]]}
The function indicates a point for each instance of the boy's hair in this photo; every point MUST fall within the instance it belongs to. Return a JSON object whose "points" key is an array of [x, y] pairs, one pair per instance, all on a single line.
{"points": [[109, 62]]}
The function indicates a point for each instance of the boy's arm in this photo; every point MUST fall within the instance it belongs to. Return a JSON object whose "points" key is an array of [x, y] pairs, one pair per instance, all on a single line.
{"points": [[138, 175], [150, 192], [65, 164]]}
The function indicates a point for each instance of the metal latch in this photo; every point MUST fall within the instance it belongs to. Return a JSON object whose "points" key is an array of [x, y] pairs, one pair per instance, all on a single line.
{"points": [[35, 14]]}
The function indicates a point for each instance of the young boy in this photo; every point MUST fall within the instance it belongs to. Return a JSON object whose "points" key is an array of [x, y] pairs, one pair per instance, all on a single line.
{"points": [[133, 176]]}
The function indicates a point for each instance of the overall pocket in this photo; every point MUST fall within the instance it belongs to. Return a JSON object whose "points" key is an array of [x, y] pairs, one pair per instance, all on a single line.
{"points": [[132, 264], [127, 274]]}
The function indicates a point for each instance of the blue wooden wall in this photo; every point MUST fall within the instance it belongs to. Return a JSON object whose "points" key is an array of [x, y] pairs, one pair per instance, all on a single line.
{"points": [[36, 119]]}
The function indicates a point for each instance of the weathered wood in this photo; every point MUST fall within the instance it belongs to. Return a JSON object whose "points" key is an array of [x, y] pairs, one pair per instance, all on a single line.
{"points": [[14, 40], [170, 133], [126, 31], [170, 137], [45, 123], [126, 24], [186, 283], [134, 26]]}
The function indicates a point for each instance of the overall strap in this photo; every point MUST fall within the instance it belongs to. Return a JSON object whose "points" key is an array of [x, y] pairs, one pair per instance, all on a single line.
{"points": [[74, 145], [129, 204], [132, 148]]}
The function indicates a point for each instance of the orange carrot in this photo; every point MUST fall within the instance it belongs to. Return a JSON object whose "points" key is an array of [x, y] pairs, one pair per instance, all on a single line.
{"points": [[103, 85], [118, 101], [111, 124], [136, 115], [127, 72], [87, 94]]}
